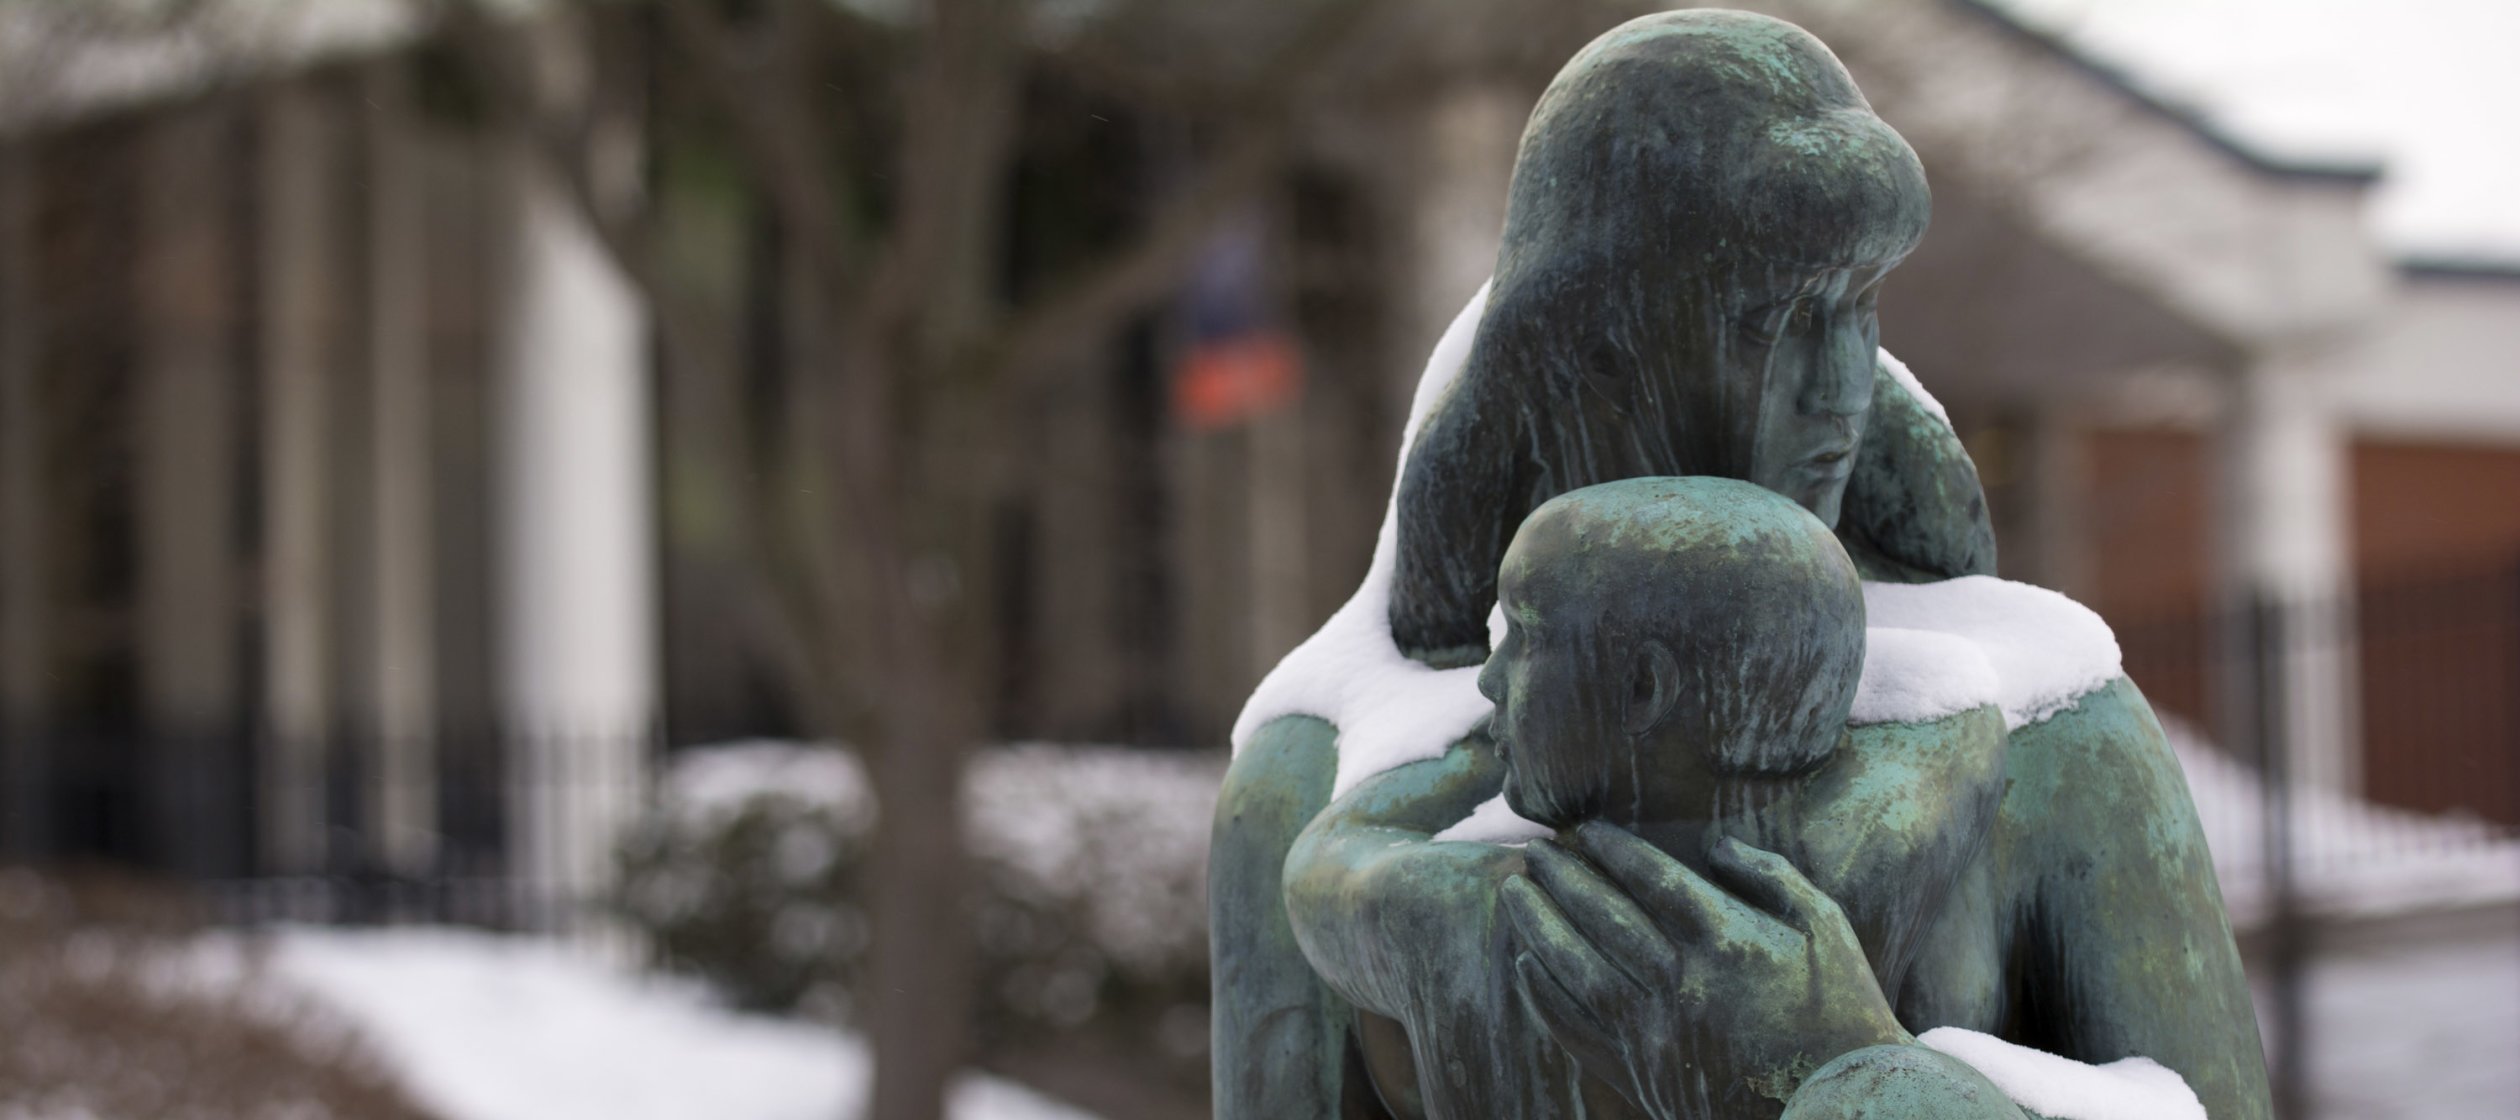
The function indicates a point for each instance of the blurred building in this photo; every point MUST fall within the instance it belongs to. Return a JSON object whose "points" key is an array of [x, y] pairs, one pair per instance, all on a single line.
{"points": [[351, 522], [329, 470]]}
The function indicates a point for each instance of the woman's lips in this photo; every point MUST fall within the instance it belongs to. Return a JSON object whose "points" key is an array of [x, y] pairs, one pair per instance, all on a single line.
{"points": [[1832, 463]]}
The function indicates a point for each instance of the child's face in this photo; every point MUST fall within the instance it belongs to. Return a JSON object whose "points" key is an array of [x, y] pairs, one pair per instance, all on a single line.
{"points": [[1664, 640], [1561, 706]]}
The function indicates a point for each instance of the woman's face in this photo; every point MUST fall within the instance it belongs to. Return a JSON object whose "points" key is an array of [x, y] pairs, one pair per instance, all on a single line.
{"points": [[1806, 337]]}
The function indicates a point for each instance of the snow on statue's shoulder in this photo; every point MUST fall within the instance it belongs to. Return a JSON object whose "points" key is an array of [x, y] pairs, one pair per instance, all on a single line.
{"points": [[1936, 649], [2045, 651], [1918, 676], [1906, 378], [1389, 709]]}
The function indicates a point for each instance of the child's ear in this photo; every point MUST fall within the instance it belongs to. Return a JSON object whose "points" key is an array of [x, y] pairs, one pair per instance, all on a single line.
{"points": [[1654, 686]]}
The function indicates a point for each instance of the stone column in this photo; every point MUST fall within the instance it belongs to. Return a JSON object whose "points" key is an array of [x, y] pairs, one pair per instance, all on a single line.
{"points": [[401, 693], [2060, 485], [2286, 494], [577, 632], [300, 317], [1275, 469], [189, 581]]}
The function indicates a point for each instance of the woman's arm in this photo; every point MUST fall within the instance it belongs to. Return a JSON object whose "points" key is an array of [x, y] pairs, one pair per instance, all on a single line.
{"points": [[2127, 951]]}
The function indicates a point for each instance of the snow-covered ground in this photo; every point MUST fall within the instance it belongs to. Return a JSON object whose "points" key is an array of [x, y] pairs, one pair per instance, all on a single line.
{"points": [[485, 1026], [2350, 858], [2416, 1010], [2411, 992], [2416, 1016]]}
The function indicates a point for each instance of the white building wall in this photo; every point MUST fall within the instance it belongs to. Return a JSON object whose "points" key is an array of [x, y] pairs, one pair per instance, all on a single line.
{"points": [[2442, 362]]}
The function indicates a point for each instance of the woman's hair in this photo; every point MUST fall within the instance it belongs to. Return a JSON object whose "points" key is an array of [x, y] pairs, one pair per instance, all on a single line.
{"points": [[1677, 158]]}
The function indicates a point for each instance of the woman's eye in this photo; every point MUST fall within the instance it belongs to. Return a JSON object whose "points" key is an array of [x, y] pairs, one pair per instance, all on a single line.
{"points": [[1779, 320]]}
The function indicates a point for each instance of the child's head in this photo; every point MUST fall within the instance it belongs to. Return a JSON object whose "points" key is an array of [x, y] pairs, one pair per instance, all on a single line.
{"points": [[1664, 636]]}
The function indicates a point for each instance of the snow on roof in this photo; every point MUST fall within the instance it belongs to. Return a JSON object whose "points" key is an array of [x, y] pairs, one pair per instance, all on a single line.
{"points": [[2424, 85], [60, 63]]}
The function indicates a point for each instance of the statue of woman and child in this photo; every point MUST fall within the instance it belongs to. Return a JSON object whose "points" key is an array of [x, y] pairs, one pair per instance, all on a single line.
{"points": [[1777, 802]]}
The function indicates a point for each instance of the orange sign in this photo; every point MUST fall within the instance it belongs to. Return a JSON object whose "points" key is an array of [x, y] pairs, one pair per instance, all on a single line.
{"points": [[1236, 379]]}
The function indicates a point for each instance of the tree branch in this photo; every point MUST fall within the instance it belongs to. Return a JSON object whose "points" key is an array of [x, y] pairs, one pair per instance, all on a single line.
{"points": [[785, 151], [781, 598], [1088, 307], [958, 137], [1091, 304]]}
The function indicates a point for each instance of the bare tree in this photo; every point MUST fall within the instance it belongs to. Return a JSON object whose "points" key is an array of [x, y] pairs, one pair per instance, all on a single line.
{"points": [[870, 529]]}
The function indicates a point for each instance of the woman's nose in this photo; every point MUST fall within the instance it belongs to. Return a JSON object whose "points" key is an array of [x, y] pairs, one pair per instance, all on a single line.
{"points": [[1841, 376]]}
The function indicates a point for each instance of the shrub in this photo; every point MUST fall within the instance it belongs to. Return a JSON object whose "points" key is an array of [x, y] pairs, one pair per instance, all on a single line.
{"points": [[1089, 910]]}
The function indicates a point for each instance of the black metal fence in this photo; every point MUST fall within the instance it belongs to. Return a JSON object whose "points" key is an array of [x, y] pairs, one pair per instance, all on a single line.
{"points": [[2337, 747], [2411, 684], [499, 830]]}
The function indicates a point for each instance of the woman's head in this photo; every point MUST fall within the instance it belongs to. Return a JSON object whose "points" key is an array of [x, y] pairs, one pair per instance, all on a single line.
{"points": [[1702, 209]]}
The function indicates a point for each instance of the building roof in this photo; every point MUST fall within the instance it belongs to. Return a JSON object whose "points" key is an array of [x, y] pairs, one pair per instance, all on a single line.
{"points": [[2185, 116], [64, 63], [2425, 85]]}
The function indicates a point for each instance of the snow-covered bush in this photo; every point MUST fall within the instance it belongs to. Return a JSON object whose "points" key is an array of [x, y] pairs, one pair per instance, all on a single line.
{"points": [[1090, 911]]}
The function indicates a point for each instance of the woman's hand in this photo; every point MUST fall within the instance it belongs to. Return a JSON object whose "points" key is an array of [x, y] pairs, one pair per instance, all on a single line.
{"points": [[1692, 999]]}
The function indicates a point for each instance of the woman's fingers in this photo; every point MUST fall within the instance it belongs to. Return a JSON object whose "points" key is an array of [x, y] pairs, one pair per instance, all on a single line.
{"points": [[1773, 883], [1604, 915], [1680, 901], [1543, 932]]}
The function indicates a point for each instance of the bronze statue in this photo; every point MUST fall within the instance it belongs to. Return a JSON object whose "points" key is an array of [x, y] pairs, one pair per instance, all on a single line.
{"points": [[1751, 908]]}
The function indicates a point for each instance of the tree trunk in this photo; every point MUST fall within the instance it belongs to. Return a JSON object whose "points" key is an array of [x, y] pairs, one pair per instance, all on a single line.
{"points": [[23, 588], [925, 510], [919, 974]]}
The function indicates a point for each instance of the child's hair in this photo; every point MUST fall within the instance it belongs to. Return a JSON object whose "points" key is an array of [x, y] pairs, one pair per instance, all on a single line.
{"points": [[1756, 603]]}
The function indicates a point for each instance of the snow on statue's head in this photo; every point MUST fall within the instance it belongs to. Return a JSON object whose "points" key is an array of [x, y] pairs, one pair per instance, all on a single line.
{"points": [[1702, 210]]}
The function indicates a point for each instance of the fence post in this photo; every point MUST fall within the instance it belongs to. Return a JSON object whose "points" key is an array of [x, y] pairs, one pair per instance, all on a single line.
{"points": [[2510, 818], [2270, 656]]}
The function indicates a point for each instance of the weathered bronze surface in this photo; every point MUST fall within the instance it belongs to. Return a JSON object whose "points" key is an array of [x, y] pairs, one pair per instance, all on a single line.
{"points": [[1749, 909]]}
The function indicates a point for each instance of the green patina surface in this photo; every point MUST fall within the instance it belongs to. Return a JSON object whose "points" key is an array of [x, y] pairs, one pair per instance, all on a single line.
{"points": [[1702, 206]]}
